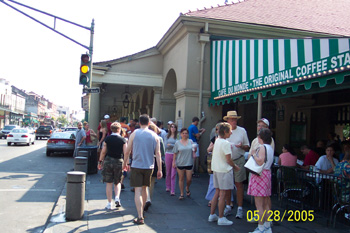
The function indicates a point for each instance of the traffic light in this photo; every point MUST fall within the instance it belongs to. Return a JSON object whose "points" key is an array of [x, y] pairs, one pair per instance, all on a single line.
{"points": [[85, 67]]}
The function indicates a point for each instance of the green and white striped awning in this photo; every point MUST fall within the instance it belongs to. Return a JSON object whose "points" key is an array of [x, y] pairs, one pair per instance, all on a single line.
{"points": [[244, 68]]}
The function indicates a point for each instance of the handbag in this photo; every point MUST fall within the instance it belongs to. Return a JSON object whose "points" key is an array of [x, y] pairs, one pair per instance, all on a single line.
{"points": [[253, 167], [209, 158]]}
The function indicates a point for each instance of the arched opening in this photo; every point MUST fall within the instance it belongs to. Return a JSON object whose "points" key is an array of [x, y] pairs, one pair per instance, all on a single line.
{"points": [[168, 101]]}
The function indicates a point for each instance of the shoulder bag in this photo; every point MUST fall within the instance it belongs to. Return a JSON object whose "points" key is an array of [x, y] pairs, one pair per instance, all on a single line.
{"points": [[253, 167]]}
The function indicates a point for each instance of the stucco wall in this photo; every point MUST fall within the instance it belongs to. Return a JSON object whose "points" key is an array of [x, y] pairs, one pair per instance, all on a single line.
{"points": [[148, 65]]}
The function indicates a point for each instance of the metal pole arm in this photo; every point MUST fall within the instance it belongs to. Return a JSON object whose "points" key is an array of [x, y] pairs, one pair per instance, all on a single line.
{"points": [[84, 46]]}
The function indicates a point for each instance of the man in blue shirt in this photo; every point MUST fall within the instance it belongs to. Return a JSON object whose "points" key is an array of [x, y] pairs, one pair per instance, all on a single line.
{"points": [[79, 138], [194, 135]]}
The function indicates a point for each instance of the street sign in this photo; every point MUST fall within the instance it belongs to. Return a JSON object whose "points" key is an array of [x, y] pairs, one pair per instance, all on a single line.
{"points": [[85, 102], [91, 90]]}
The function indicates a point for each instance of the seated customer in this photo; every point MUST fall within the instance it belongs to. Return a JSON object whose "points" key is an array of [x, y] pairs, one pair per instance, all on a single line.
{"points": [[288, 157], [326, 163], [343, 170], [311, 157]]}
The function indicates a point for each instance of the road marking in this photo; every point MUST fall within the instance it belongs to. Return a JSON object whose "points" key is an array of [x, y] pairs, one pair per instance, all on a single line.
{"points": [[26, 190]]}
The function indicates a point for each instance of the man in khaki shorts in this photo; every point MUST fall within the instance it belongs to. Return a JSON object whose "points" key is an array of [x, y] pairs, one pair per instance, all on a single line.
{"points": [[143, 143], [222, 166], [239, 145]]}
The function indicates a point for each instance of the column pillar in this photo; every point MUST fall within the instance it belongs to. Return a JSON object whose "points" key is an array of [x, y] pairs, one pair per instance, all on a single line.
{"points": [[94, 111], [156, 102]]}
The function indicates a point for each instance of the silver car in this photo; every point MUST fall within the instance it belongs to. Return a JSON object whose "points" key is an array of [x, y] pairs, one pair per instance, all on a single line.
{"points": [[61, 142]]}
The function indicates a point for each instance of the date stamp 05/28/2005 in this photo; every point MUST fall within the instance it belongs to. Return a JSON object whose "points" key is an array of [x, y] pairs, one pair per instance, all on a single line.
{"points": [[280, 216]]}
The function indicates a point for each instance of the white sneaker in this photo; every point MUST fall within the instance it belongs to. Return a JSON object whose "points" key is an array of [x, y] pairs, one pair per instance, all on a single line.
{"points": [[108, 206], [253, 220], [239, 213], [257, 231], [224, 222], [213, 218], [227, 211], [117, 202]]}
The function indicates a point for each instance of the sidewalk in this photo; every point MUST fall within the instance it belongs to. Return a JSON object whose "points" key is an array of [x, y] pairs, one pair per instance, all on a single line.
{"points": [[167, 213]]}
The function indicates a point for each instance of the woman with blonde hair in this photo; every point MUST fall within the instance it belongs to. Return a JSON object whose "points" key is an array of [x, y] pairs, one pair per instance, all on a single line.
{"points": [[90, 135], [103, 134]]}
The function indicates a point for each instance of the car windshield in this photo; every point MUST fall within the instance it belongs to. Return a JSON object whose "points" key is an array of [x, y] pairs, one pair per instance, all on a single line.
{"points": [[62, 135], [19, 131], [45, 127], [71, 129], [9, 127]]}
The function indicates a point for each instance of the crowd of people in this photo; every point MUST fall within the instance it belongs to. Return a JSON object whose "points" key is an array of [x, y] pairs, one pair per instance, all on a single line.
{"points": [[146, 150]]}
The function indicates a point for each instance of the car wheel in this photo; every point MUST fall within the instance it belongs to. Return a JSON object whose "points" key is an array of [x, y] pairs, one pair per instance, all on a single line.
{"points": [[5, 137], [28, 144], [33, 142], [48, 153], [9, 143], [36, 138]]}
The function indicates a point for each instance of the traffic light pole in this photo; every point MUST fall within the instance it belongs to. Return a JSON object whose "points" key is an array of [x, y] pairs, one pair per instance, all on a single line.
{"points": [[91, 29]]}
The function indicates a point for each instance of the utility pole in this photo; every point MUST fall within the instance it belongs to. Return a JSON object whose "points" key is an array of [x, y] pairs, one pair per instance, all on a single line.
{"points": [[91, 29]]}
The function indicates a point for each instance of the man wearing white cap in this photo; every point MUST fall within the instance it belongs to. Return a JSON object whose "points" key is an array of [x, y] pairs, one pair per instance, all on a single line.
{"points": [[239, 145], [169, 124], [262, 123]]}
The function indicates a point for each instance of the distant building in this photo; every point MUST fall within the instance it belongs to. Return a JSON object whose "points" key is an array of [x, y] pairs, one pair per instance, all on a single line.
{"points": [[5, 102]]}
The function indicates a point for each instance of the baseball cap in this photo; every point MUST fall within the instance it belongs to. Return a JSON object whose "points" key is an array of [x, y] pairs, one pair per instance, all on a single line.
{"points": [[266, 121], [170, 122], [106, 116]]}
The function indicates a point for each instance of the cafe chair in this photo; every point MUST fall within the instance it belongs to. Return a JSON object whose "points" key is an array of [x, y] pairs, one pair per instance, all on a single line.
{"points": [[341, 192], [290, 188]]}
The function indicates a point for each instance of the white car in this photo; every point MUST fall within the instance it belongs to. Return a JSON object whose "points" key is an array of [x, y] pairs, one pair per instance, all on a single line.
{"points": [[21, 135]]}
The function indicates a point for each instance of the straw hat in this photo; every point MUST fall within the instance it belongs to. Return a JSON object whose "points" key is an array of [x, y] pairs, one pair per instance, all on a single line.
{"points": [[231, 114]]}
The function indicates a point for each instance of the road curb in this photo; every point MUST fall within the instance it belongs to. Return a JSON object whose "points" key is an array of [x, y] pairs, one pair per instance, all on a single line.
{"points": [[58, 223]]}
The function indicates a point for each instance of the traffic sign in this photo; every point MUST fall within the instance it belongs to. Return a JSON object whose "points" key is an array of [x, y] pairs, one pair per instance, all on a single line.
{"points": [[91, 90]]}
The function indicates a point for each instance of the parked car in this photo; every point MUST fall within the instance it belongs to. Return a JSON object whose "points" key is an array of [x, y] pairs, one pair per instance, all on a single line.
{"points": [[71, 129], [61, 142], [6, 130], [20, 136], [43, 131]]}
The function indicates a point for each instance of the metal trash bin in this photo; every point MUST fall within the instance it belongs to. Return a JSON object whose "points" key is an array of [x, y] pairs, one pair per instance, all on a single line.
{"points": [[81, 164], [91, 152]]}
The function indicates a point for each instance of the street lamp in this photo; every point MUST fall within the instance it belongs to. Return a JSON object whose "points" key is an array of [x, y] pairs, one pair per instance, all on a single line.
{"points": [[126, 96]]}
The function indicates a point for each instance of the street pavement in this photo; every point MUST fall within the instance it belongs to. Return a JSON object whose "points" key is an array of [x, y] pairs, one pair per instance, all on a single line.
{"points": [[166, 214]]}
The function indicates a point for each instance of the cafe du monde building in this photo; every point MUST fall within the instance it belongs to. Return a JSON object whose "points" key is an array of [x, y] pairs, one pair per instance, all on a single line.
{"points": [[287, 61]]}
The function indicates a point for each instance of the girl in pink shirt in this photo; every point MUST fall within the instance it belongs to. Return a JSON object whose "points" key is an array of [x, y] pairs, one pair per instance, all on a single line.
{"points": [[287, 158]]}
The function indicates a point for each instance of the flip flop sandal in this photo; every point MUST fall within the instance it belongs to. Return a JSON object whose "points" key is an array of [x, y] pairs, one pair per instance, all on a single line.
{"points": [[188, 193], [209, 204], [181, 197], [139, 221]]}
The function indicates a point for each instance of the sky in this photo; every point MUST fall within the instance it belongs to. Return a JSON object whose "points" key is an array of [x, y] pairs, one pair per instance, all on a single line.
{"points": [[34, 58]]}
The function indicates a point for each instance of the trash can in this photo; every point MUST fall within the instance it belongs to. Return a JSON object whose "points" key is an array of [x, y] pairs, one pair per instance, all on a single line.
{"points": [[92, 157], [81, 164]]}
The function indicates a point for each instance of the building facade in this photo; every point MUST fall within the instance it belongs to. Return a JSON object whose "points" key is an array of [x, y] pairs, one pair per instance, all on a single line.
{"points": [[175, 79]]}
